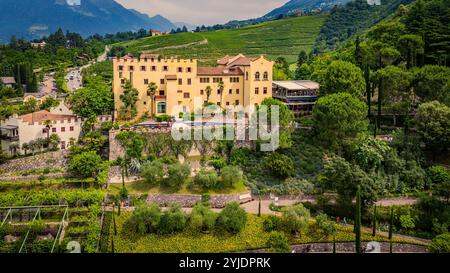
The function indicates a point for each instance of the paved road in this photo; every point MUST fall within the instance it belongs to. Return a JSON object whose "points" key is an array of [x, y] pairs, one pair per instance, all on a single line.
{"points": [[74, 77]]}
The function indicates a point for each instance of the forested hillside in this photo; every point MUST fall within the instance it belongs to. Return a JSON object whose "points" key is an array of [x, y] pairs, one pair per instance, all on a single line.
{"points": [[353, 18]]}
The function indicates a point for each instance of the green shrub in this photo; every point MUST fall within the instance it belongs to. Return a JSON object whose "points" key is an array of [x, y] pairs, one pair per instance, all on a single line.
{"points": [[152, 172], [177, 174], [169, 159], [202, 218], [85, 164], [441, 244], [172, 221], [278, 243], [230, 175], [272, 223], [123, 194], [295, 219], [438, 175], [206, 179], [232, 218], [280, 165], [240, 156], [146, 219], [325, 225], [294, 185], [218, 163]]}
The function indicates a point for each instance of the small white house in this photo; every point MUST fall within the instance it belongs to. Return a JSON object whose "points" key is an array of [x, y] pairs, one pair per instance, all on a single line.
{"points": [[8, 81], [60, 120]]}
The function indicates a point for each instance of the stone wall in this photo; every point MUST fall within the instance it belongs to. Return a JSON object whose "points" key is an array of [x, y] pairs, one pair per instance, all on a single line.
{"points": [[41, 161], [116, 150], [189, 200]]}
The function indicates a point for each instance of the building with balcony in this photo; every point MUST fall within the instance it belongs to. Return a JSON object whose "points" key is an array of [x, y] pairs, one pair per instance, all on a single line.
{"points": [[299, 96], [245, 81], [59, 120]]}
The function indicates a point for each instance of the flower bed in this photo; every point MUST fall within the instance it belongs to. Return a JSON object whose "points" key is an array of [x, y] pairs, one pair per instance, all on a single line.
{"points": [[252, 237]]}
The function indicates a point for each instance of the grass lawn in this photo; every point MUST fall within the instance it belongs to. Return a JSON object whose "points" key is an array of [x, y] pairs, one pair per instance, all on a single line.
{"points": [[252, 237], [142, 187], [277, 38]]}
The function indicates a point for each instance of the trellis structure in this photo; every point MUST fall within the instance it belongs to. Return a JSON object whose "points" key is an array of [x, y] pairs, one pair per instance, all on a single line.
{"points": [[37, 215]]}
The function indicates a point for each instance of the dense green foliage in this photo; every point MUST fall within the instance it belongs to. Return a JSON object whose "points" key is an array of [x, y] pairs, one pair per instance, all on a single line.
{"points": [[54, 54], [85, 164], [295, 220], [278, 243], [441, 244], [232, 218], [351, 19], [94, 99], [341, 77], [338, 118]]}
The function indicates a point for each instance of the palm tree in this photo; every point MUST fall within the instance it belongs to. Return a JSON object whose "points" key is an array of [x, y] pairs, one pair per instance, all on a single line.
{"points": [[40, 143], [54, 141], [25, 147], [13, 148], [151, 91], [129, 97], [123, 163], [221, 87], [208, 92], [33, 145], [48, 125]]}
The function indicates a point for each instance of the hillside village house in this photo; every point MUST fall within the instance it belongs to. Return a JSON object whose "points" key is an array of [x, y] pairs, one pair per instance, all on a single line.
{"points": [[39, 45], [246, 81], [8, 81], [154, 32], [299, 96], [25, 128]]}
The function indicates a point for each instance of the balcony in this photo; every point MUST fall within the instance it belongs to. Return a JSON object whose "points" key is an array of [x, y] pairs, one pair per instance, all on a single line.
{"points": [[9, 138]]}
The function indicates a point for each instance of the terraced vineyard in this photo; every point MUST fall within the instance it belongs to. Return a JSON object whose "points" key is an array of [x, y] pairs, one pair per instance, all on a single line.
{"points": [[284, 38]]}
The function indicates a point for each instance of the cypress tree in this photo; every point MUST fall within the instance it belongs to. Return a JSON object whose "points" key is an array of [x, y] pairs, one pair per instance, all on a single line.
{"points": [[114, 220], [391, 223], [358, 53], [259, 207], [18, 78], [112, 245], [374, 221], [380, 98], [368, 88], [334, 244], [358, 221]]}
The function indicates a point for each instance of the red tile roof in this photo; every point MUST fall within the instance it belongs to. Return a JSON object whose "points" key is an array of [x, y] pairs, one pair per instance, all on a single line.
{"points": [[149, 56], [7, 80], [218, 71], [238, 60], [44, 115]]}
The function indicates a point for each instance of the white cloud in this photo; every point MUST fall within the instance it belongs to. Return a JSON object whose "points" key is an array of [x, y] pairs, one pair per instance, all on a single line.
{"points": [[206, 12]]}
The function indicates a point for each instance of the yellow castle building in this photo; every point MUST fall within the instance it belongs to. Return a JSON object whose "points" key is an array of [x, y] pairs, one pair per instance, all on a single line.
{"points": [[236, 80]]}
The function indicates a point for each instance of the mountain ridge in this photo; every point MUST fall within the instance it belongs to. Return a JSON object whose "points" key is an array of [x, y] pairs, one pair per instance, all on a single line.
{"points": [[31, 19]]}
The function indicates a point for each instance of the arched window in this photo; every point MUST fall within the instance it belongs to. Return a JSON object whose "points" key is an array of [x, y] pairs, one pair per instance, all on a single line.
{"points": [[266, 75], [161, 107], [257, 76]]}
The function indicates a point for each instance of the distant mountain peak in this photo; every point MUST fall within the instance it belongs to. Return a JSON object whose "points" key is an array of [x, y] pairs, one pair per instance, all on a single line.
{"points": [[33, 19]]}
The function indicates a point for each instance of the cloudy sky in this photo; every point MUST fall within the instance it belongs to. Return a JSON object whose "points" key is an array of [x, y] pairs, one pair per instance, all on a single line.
{"points": [[206, 12]]}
